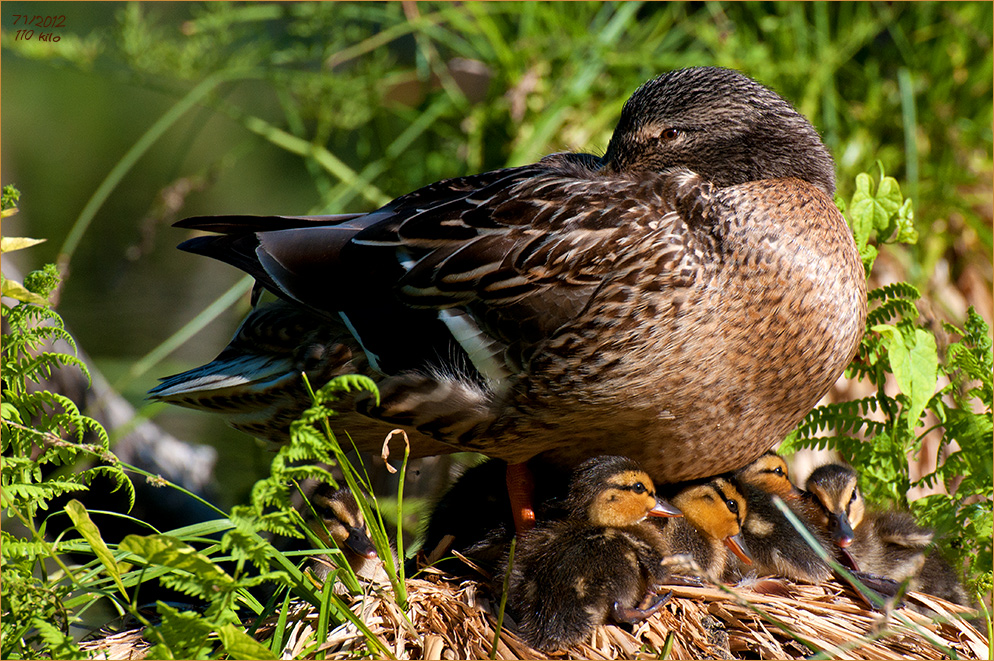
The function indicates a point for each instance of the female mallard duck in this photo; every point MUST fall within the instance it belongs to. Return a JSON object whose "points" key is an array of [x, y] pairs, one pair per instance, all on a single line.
{"points": [[885, 543], [776, 547], [568, 307], [601, 562], [713, 513], [337, 520]]}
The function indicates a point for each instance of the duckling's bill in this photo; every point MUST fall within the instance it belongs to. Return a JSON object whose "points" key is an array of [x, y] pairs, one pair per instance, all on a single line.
{"points": [[842, 531], [736, 545], [359, 543], [663, 508]]}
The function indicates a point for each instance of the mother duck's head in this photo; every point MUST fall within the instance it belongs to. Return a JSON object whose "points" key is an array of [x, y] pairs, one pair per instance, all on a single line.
{"points": [[720, 124]]}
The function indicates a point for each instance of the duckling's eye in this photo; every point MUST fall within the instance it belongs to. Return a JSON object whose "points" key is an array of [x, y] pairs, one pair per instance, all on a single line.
{"points": [[638, 487], [778, 471], [669, 134], [733, 506], [852, 499]]}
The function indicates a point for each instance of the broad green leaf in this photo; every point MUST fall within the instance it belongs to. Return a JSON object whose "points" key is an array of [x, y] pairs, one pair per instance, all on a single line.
{"points": [[868, 255], [872, 210], [915, 367], [171, 552], [887, 201], [84, 524], [12, 243], [239, 645], [861, 210], [16, 290], [924, 367], [906, 232]]}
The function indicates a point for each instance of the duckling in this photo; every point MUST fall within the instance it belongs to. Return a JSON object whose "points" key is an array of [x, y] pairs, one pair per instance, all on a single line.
{"points": [[600, 563], [885, 543], [937, 577], [713, 513], [775, 545], [338, 522]]}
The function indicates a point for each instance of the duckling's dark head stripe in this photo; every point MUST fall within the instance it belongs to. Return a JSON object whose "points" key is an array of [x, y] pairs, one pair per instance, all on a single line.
{"points": [[593, 475], [726, 490]]}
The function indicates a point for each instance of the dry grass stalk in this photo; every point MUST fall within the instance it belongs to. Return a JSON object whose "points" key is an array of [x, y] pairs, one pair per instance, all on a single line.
{"points": [[456, 620]]}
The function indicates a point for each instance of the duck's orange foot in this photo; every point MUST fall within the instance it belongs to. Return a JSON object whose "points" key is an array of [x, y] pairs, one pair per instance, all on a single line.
{"points": [[521, 489]]}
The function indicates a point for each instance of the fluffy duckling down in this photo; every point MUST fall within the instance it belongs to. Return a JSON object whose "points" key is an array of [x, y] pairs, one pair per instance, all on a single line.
{"points": [[713, 514], [777, 548], [886, 543], [601, 563], [337, 520]]}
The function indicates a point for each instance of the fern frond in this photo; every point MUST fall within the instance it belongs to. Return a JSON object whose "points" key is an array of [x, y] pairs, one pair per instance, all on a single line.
{"points": [[15, 549], [841, 418], [894, 290], [889, 309]]}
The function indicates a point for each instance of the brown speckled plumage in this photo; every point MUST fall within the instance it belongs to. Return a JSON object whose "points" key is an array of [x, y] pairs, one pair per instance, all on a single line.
{"points": [[693, 289]]}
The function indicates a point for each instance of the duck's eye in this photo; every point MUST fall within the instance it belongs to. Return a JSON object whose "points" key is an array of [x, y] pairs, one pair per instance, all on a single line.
{"points": [[669, 134], [638, 487], [733, 506]]}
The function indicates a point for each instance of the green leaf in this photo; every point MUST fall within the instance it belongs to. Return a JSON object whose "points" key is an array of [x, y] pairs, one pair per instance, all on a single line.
{"points": [[906, 232], [861, 210], [347, 383], [872, 210], [12, 243], [180, 635], [171, 552], [239, 645], [58, 645], [84, 524], [915, 366], [10, 412], [16, 290]]}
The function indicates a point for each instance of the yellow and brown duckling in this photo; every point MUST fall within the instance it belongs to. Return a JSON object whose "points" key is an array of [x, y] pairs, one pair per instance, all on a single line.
{"points": [[886, 543], [776, 547], [599, 564], [564, 307], [714, 511], [338, 522]]}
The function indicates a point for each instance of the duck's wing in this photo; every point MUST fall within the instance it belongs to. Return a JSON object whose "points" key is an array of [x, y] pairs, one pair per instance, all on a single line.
{"points": [[517, 252]]}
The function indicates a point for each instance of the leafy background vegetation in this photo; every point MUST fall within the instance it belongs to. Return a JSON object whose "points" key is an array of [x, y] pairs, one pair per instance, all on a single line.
{"points": [[144, 113]]}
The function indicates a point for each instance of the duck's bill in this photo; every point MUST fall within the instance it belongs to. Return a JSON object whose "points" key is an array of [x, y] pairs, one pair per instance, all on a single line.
{"points": [[736, 545], [360, 544], [663, 508], [842, 532]]}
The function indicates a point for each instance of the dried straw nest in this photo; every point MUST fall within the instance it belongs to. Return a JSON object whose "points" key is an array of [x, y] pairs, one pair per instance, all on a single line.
{"points": [[769, 620]]}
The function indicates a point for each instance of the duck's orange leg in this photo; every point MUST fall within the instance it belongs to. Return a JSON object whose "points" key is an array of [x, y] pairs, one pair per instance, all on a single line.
{"points": [[520, 489]]}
